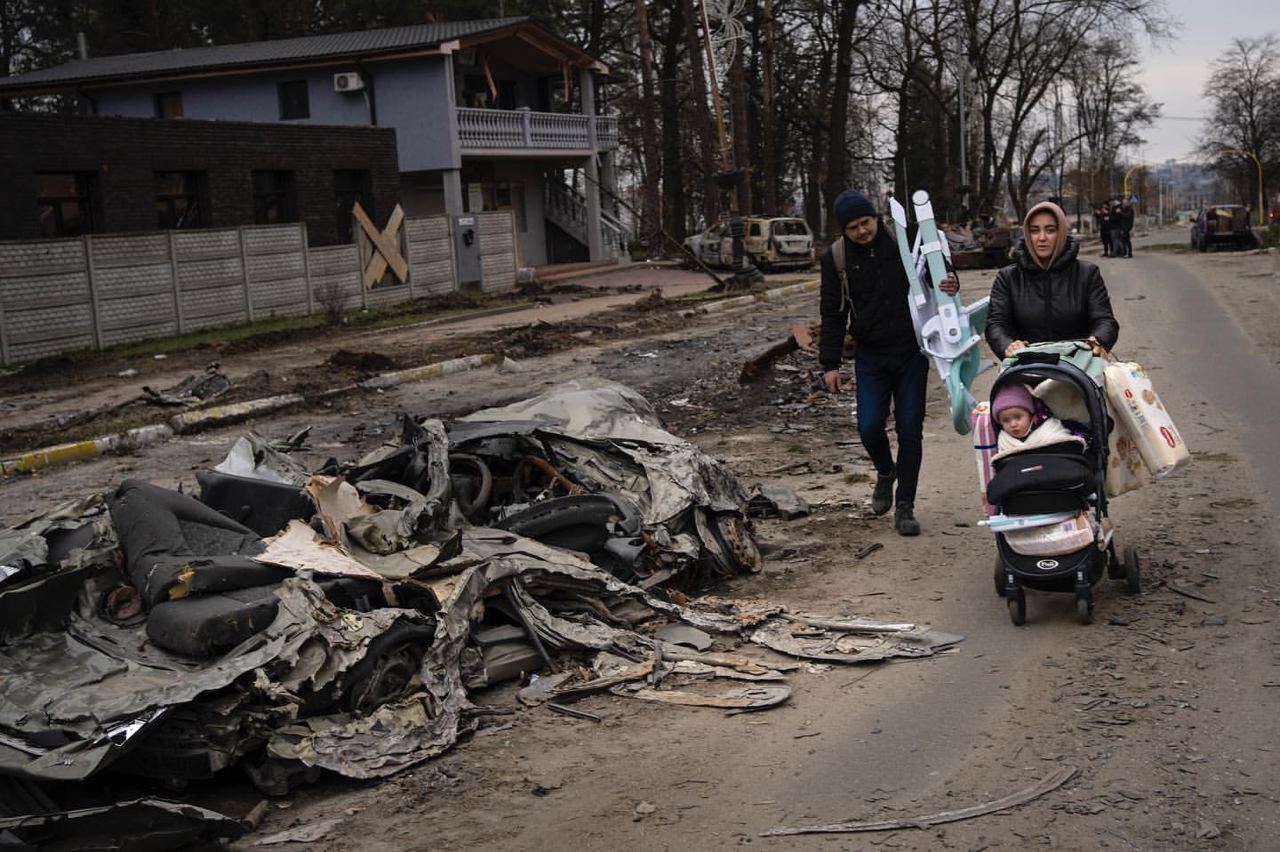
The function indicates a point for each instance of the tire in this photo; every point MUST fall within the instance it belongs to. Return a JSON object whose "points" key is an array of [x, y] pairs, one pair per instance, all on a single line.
{"points": [[1132, 571], [1202, 245], [1017, 606], [1084, 610]]}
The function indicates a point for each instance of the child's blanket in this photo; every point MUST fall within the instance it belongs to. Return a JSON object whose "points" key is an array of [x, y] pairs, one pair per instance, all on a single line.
{"points": [[1047, 434]]}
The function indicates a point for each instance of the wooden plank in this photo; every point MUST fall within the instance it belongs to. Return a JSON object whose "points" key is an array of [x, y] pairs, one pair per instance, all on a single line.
{"points": [[386, 244], [488, 78]]}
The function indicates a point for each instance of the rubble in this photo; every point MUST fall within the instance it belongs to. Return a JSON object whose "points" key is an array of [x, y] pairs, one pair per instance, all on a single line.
{"points": [[295, 622]]}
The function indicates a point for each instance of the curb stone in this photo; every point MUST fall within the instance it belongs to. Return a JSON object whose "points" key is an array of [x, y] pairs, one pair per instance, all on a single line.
{"points": [[132, 439], [754, 298]]}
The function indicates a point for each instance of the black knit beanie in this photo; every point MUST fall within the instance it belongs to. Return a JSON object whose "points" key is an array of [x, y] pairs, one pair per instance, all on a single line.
{"points": [[851, 205]]}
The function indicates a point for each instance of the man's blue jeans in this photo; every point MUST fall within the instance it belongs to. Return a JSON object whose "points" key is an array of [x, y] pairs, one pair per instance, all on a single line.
{"points": [[900, 377]]}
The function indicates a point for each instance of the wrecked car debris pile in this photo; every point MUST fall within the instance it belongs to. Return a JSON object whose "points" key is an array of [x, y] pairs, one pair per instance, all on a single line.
{"points": [[289, 621]]}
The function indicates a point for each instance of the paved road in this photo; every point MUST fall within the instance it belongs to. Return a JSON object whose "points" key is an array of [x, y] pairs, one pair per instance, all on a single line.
{"points": [[1163, 704]]}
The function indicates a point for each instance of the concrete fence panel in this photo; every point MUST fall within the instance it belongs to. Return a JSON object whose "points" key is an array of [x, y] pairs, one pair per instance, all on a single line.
{"points": [[133, 283], [210, 286], [45, 304], [97, 291], [430, 255], [497, 251], [335, 277]]}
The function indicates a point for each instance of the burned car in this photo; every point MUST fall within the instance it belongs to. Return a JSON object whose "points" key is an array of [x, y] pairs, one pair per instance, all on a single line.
{"points": [[289, 622]]}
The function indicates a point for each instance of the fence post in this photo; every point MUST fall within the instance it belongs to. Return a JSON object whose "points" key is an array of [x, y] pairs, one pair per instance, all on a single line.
{"points": [[244, 268], [177, 290], [407, 249], [4, 329], [87, 242], [525, 122], [306, 268]]}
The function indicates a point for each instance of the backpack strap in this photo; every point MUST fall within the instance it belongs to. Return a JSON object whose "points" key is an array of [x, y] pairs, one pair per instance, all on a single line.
{"points": [[838, 260]]}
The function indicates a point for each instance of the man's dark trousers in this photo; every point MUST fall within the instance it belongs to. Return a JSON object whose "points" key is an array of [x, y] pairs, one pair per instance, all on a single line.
{"points": [[901, 376]]}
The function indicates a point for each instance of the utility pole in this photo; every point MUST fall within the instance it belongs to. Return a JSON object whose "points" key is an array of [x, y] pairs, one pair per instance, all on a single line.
{"points": [[964, 133], [744, 271]]}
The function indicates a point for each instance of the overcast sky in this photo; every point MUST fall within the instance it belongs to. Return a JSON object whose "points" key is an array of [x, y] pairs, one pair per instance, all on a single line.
{"points": [[1175, 75]]}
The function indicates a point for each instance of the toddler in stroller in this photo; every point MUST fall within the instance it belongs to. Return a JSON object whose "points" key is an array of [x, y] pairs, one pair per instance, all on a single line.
{"points": [[1017, 414], [1052, 530]]}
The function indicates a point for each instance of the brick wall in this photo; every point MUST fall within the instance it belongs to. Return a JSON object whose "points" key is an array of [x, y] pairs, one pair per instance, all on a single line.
{"points": [[125, 153]]}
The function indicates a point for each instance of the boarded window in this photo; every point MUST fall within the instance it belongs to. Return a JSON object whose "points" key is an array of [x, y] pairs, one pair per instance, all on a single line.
{"points": [[169, 105], [294, 100], [64, 201], [274, 198], [351, 186], [178, 200]]}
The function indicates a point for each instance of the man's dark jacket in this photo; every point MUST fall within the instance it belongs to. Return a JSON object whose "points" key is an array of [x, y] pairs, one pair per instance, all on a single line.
{"points": [[1126, 218], [1068, 301], [875, 313]]}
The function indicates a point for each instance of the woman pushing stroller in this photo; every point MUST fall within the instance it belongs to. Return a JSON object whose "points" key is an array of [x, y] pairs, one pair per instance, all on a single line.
{"points": [[1056, 490], [1048, 293]]}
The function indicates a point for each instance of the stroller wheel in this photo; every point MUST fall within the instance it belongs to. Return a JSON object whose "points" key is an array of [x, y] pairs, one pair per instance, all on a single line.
{"points": [[1084, 610], [1132, 571], [1017, 605]]}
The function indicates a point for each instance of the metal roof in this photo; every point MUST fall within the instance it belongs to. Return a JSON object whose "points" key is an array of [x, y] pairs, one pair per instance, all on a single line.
{"points": [[281, 52]]}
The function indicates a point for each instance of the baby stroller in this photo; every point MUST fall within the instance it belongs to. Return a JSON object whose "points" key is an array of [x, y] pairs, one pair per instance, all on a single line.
{"points": [[1061, 478]]}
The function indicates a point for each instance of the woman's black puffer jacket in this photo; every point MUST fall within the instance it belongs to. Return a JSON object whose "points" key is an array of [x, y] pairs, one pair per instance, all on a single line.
{"points": [[1067, 301]]}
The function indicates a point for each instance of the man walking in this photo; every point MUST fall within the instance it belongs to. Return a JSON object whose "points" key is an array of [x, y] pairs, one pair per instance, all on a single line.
{"points": [[864, 294], [1126, 227]]}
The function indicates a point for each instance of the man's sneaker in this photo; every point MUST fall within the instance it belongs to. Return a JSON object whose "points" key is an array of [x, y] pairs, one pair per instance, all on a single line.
{"points": [[882, 496], [904, 520]]}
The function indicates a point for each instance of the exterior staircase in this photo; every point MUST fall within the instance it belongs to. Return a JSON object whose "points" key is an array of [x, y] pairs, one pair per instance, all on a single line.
{"points": [[566, 208]]}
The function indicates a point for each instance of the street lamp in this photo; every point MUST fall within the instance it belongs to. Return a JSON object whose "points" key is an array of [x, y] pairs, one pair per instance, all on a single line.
{"points": [[1261, 201]]}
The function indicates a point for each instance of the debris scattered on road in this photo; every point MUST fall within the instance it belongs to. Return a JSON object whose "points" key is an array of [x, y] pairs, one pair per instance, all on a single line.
{"points": [[776, 501], [1045, 785], [293, 622], [194, 391]]}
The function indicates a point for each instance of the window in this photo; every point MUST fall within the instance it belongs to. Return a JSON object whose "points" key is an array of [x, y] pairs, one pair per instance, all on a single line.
{"points": [[65, 203], [350, 186], [294, 100], [178, 201], [790, 228], [274, 198], [169, 105]]}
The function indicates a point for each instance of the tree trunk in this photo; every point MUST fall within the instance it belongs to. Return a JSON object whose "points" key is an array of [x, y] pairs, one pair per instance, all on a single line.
{"points": [[648, 131], [767, 122], [674, 210], [702, 115], [741, 129], [837, 156]]}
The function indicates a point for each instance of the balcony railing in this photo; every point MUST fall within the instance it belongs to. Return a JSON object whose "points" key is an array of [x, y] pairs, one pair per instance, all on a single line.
{"points": [[522, 128]]}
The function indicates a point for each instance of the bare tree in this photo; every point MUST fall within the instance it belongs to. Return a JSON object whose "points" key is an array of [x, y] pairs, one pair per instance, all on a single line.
{"points": [[1111, 108], [1245, 91], [1020, 48]]}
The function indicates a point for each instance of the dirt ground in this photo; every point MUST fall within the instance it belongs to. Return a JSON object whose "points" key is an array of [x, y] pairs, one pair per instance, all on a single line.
{"points": [[1168, 705]]}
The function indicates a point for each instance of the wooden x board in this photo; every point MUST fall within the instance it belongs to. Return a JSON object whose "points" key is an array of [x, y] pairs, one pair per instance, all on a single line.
{"points": [[386, 246]]}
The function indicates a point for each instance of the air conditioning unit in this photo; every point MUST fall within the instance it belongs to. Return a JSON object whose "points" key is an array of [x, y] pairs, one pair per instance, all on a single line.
{"points": [[349, 81]]}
